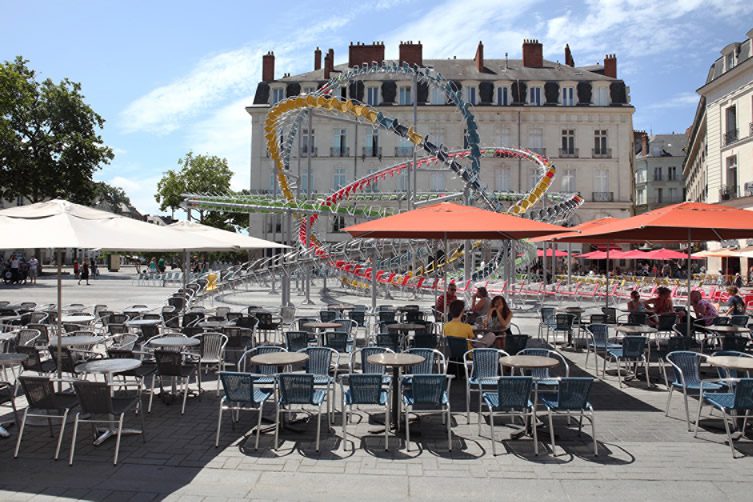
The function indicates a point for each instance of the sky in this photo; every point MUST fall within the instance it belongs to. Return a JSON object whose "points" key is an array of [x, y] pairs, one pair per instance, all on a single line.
{"points": [[175, 76]]}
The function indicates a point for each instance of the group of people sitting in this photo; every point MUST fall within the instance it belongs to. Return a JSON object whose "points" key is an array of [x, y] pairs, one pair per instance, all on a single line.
{"points": [[492, 316], [704, 311]]}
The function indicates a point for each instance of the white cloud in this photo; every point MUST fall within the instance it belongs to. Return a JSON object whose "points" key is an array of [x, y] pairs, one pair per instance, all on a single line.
{"points": [[139, 189], [681, 100]]}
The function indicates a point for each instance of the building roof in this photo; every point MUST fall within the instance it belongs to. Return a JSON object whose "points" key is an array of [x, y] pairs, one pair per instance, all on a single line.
{"points": [[494, 69], [742, 50]]}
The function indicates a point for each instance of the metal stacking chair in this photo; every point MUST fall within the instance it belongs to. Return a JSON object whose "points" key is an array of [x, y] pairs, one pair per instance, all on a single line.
{"points": [[434, 362], [674, 344], [322, 363], [27, 337], [563, 323], [100, 406], [637, 318], [632, 351], [264, 374], [665, 323], [386, 316], [34, 362], [512, 398], [211, 354], [241, 394], [233, 316], [547, 320], [170, 365], [298, 389], [431, 394], [515, 343], [730, 373], [191, 318], [8, 395], [482, 368], [364, 390], [266, 323], [44, 402], [572, 397], [389, 341], [327, 315], [687, 377], [729, 403], [297, 340], [739, 320], [611, 314], [337, 340]]}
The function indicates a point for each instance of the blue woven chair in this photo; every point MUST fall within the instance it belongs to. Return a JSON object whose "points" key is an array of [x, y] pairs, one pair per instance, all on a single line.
{"points": [[360, 359], [687, 377], [547, 320], [337, 340], [632, 351], [739, 320], [320, 364], [572, 396], [431, 394], [563, 323], [297, 389], [513, 398], [482, 368], [364, 390], [543, 376], [241, 395], [434, 362], [730, 373], [674, 344], [729, 403], [388, 340], [327, 315], [264, 374], [297, 340], [598, 342]]}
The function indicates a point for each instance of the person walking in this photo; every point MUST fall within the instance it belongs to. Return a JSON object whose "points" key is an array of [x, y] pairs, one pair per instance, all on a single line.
{"points": [[84, 273], [77, 271], [33, 269]]}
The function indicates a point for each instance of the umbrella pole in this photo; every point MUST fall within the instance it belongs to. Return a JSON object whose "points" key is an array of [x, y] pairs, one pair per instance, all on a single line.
{"points": [[606, 291], [374, 280], [59, 319], [687, 306], [186, 271], [445, 310]]}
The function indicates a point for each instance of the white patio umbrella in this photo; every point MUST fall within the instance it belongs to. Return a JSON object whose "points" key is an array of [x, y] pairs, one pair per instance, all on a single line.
{"points": [[61, 224]]}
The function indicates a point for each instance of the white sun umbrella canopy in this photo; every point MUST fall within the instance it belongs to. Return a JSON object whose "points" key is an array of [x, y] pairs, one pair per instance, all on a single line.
{"points": [[230, 238], [62, 224]]}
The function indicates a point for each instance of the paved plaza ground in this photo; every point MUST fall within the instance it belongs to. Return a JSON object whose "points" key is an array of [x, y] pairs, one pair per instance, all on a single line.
{"points": [[642, 453]]}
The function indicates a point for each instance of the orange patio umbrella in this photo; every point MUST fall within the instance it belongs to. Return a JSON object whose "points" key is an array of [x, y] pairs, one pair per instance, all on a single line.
{"points": [[448, 220]]}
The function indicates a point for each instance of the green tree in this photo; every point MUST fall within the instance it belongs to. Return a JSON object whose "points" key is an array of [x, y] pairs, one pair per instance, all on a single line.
{"points": [[198, 174], [113, 197], [49, 146]]}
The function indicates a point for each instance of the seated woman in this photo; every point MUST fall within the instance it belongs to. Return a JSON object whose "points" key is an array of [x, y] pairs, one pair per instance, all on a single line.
{"points": [[481, 303], [635, 304], [499, 316], [455, 326], [662, 304], [735, 303]]}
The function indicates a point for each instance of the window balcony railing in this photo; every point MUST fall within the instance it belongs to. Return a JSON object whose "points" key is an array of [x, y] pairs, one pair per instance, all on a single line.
{"points": [[539, 150], [338, 151], [730, 136], [728, 192], [370, 151], [403, 151], [602, 196], [601, 153], [305, 151], [569, 153]]}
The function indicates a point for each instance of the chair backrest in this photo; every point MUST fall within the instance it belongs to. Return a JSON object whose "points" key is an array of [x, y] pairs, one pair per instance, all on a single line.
{"points": [[633, 347], [563, 322], [637, 318], [611, 314], [296, 388], [28, 305], [514, 392], [117, 329], [249, 367], [721, 321], [675, 343], [233, 316], [666, 321], [265, 320], [739, 320], [414, 315], [686, 366], [346, 325], [515, 343], [362, 355], [424, 340], [600, 334], [547, 315], [434, 362], [39, 392], [117, 319], [485, 362], [724, 372], [744, 394], [545, 372], [222, 311], [27, 337], [681, 329], [365, 388], [44, 333], [94, 397], [320, 360], [305, 320], [239, 387], [125, 341], [457, 347], [296, 340], [287, 314], [190, 318], [337, 340], [388, 340], [212, 345], [169, 362], [429, 389], [235, 336], [358, 316], [573, 392], [734, 342], [192, 331], [248, 322], [327, 315], [536, 343], [33, 361], [598, 319], [386, 316], [37, 317]]}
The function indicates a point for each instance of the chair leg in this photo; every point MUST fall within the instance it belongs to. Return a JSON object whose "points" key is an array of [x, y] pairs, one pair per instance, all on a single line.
{"points": [[729, 436], [468, 403], [669, 397], [73, 441], [551, 433], [345, 428], [318, 426], [387, 427], [277, 426], [21, 433], [151, 394], [535, 432], [687, 410], [185, 396], [491, 423], [219, 424], [619, 373], [62, 433], [698, 417], [449, 428], [407, 428], [117, 440], [258, 425], [593, 433]]}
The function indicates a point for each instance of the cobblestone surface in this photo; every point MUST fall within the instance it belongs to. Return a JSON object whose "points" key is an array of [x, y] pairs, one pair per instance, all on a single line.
{"points": [[642, 453]]}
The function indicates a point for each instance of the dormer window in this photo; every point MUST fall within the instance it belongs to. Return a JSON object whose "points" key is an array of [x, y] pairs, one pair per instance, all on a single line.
{"points": [[729, 61], [534, 96], [471, 95], [278, 94]]}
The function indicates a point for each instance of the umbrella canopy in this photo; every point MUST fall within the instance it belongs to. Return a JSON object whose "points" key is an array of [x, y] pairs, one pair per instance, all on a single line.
{"points": [[666, 254], [62, 224], [676, 223], [588, 225], [593, 255], [558, 253], [230, 238], [452, 221], [635, 254]]}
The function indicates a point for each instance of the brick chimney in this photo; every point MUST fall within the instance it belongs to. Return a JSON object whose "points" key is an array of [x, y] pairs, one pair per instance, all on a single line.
{"points": [[610, 65], [479, 57], [317, 59], [412, 53], [569, 61], [329, 63], [644, 144], [533, 54], [360, 53], [268, 67]]}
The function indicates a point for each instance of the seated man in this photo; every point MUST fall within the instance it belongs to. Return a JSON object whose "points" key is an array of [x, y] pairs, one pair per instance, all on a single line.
{"points": [[735, 303], [455, 326], [439, 306]]}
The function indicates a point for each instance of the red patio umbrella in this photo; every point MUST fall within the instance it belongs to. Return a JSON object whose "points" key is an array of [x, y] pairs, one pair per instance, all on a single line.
{"points": [[550, 252], [667, 254]]}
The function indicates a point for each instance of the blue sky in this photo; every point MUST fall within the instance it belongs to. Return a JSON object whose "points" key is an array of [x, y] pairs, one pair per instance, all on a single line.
{"points": [[174, 76]]}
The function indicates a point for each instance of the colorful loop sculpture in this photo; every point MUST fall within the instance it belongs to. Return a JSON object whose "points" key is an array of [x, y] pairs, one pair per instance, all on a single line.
{"points": [[285, 118]]}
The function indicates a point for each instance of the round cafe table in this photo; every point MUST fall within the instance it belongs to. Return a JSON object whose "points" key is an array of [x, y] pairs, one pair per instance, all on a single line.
{"points": [[319, 327], [728, 329], [396, 361], [175, 341], [136, 310], [142, 322], [279, 359], [528, 362], [79, 340], [732, 362], [75, 319], [630, 329]]}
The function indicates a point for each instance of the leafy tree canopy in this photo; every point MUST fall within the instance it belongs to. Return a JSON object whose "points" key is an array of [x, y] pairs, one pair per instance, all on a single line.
{"points": [[111, 196], [49, 142]]}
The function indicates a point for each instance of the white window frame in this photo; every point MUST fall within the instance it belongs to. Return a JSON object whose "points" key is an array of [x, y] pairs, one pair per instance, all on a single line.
{"points": [[503, 96], [503, 179], [278, 94], [535, 140], [405, 95], [601, 180], [569, 180], [437, 96], [568, 96], [372, 96], [338, 178], [470, 94], [534, 95]]}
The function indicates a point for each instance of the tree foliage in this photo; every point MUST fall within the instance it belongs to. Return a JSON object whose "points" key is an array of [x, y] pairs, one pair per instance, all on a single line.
{"points": [[199, 174], [49, 146], [113, 197]]}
